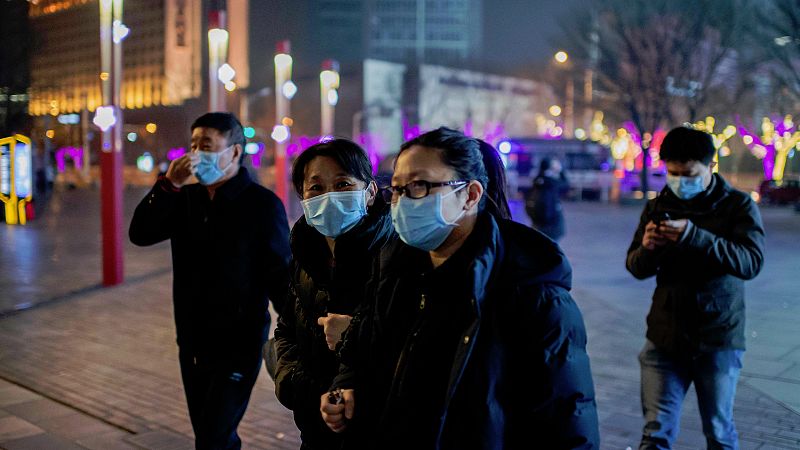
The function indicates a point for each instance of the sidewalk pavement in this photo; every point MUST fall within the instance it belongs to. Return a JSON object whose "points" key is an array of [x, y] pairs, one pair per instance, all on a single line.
{"points": [[97, 368]]}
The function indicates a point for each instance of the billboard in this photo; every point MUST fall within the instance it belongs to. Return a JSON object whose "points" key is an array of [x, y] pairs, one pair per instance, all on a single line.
{"points": [[382, 113]]}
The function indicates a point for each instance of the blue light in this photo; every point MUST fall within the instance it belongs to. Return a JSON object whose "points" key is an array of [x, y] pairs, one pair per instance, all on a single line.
{"points": [[504, 147], [249, 132]]}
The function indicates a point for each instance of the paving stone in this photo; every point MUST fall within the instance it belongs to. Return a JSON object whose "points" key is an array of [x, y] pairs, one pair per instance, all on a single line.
{"points": [[75, 426], [115, 440], [11, 395], [37, 410], [14, 428], [161, 440], [43, 441]]}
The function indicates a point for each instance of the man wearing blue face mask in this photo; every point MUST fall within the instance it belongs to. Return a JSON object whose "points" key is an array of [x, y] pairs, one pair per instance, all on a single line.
{"points": [[702, 239], [230, 253]]}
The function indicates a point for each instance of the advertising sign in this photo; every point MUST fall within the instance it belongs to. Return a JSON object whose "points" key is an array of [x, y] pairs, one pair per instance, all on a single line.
{"points": [[383, 97], [182, 50], [23, 173], [479, 101], [5, 168], [15, 177]]}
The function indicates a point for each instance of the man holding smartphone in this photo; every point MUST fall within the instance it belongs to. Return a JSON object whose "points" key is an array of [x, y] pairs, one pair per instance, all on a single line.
{"points": [[230, 253], [702, 239]]}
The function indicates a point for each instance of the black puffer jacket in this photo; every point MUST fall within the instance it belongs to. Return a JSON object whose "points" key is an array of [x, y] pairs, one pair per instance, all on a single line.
{"points": [[306, 366], [516, 372], [698, 303], [230, 255]]}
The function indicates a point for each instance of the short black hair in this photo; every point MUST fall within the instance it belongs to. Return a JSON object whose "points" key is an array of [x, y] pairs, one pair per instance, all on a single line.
{"points": [[349, 155], [227, 124], [686, 144]]}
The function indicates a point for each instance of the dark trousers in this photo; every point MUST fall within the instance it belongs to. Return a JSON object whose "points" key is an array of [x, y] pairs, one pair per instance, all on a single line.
{"points": [[217, 392]]}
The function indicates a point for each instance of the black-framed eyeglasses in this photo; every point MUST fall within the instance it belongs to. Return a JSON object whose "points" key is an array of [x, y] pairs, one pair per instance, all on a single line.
{"points": [[416, 189]]}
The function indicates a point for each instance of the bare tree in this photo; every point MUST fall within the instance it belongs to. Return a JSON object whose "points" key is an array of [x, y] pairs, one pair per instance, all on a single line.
{"points": [[659, 59], [778, 34]]}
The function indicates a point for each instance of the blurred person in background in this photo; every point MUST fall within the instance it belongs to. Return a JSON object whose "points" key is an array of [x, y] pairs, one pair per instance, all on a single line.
{"points": [[543, 203]]}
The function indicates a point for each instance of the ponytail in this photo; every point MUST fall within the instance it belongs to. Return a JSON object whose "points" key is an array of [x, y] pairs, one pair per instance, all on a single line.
{"points": [[496, 187]]}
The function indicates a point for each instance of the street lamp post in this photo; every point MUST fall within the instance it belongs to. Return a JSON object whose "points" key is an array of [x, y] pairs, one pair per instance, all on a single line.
{"points": [[284, 91], [109, 119], [217, 54], [329, 95], [562, 59]]}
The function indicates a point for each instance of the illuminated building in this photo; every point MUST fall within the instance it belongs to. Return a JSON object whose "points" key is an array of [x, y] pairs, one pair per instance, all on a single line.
{"points": [[162, 55]]}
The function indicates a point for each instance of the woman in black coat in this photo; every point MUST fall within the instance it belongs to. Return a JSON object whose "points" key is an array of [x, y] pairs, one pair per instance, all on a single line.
{"points": [[344, 226], [470, 339]]}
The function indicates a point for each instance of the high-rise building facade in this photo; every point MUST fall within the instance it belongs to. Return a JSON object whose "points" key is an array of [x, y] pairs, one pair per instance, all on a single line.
{"points": [[441, 31], [408, 31]]}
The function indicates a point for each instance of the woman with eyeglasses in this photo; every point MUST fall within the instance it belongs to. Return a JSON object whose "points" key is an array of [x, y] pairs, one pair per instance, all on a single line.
{"points": [[470, 339], [343, 227]]}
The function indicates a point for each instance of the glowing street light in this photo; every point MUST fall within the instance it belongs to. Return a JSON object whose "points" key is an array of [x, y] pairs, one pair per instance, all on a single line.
{"points": [[104, 117], [225, 73], [555, 110], [217, 54], [119, 31], [280, 133], [289, 89], [328, 83], [285, 89], [561, 58]]}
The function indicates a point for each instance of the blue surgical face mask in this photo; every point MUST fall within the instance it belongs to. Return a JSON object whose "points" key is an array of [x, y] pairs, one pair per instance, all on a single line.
{"points": [[686, 187], [420, 222], [335, 213], [208, 171]]}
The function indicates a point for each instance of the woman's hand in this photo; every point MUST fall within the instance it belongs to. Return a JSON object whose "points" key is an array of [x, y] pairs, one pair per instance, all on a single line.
{"points": [[336, 414], [333, 326]]}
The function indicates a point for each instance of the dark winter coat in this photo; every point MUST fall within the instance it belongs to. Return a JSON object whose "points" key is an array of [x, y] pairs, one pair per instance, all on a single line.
{"points": [[543, 205], [306, 367], [698, 303], [510, 368], [230, 256]]}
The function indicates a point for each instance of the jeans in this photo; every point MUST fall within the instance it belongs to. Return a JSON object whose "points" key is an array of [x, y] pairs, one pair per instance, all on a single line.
{"points": [[217, 393], [665, 379]]}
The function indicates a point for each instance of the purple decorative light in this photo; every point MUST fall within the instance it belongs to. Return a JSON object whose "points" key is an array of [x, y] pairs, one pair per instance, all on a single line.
{"points": [[768, 160], [257, 156], [74, 153]]}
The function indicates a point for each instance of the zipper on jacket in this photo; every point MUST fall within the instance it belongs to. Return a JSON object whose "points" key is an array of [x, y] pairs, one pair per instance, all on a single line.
{"points": [[422, 302]]}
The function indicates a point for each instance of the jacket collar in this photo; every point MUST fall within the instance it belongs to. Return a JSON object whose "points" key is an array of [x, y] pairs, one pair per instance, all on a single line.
{"points": [[374, 230], [234, 186], [705, 202]]}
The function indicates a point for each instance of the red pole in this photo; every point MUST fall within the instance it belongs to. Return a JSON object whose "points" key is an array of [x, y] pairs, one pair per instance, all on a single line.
{"points": [[111, 212], [111, 151]]}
